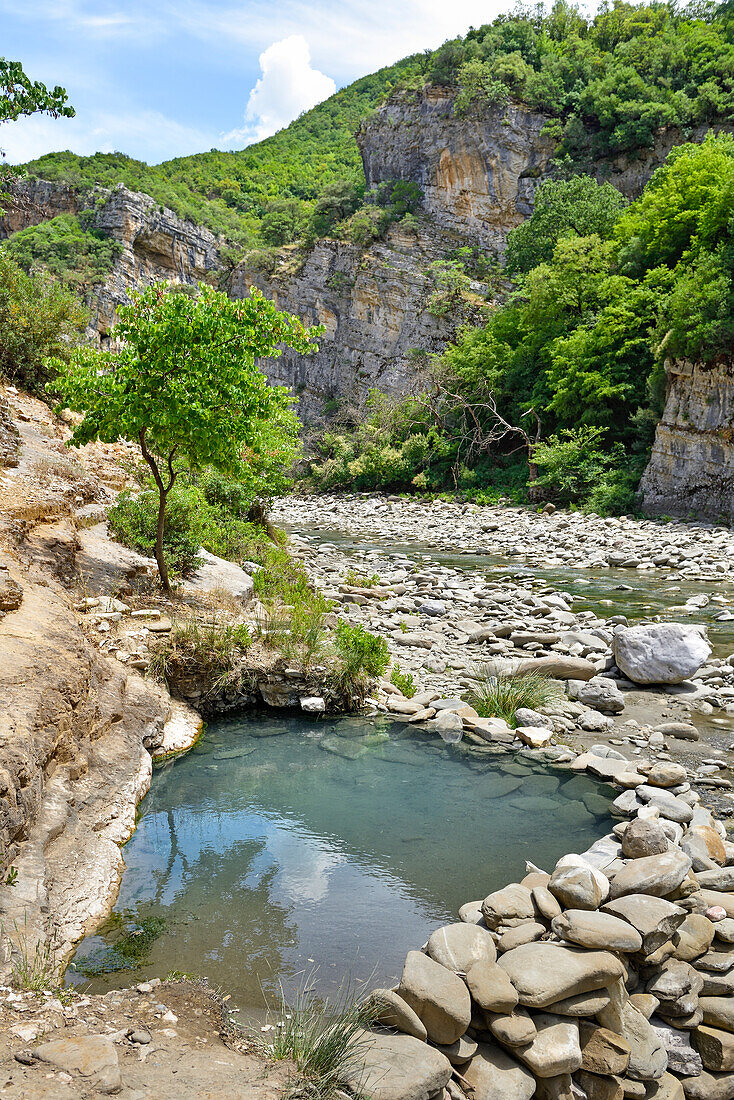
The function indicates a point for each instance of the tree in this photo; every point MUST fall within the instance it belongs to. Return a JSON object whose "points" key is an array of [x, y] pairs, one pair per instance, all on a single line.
{"points": [[185, 386], [19, 95], [38, 318], [579, 207]]}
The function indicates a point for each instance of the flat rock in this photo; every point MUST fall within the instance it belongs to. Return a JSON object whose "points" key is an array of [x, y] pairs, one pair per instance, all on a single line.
{"points": [[597, 930], [654, 918], [515, 1028], [718, 1012], [602, 1050], [92, 1056], [559, 668], [509, 906], [654, 875], [683, 1060], [546, 972], [709, 1086], [716, 1048], [648, 1057]]}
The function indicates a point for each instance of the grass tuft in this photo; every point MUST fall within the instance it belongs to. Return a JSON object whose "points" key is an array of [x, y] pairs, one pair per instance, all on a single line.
{"points": [[325, 1041], [501, 694], [210, 648]]}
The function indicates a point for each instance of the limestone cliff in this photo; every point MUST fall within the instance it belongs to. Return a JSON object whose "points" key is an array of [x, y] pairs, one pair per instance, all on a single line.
{"points": [[691, 469], [156, 244], [372, 304]]}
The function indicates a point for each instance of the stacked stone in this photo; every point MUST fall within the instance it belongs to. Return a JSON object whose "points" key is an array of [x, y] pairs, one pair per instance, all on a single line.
{"points": [[611, 977]]}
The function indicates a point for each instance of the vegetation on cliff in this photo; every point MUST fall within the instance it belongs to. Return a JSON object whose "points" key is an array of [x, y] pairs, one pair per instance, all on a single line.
{"points": [[68, 248], [607, 84], [602, 296]]}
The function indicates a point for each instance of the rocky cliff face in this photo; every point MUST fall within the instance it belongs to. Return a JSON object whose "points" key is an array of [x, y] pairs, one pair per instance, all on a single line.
{"points": [[478, 173], [691, 469], [372, 305], [156, 244]]}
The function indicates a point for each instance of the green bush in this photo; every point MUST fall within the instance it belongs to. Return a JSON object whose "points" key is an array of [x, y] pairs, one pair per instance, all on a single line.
{"points": [[403, 681], [361, 654], [68, 248], [39, 319]]}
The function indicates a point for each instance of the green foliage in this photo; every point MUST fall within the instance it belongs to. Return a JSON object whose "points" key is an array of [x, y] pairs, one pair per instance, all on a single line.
{"points": [[39, 318], [134, 518], [403, 681], [361, 580], [578, 207], [479, 87], [574, 468], [79, 257], [208, 650], [501, 694], [19, 95], [363, 656], [184, 384]]}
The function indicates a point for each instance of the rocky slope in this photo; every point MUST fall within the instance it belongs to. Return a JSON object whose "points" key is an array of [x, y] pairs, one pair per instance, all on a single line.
{"points": [[691, 469], [156, 244]]}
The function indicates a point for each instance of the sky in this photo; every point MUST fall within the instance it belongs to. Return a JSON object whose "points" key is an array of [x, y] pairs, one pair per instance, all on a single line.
{"points": [[162, 78]]}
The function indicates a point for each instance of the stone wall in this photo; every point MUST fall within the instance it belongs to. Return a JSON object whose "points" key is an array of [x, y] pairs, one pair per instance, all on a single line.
{"points": [[691, 469]]}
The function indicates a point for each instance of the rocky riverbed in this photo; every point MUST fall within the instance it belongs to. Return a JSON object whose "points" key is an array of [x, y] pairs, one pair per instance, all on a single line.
{"points": [[611, 974]]}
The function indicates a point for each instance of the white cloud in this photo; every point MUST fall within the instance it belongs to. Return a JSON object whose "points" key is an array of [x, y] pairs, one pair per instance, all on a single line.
{"points": [[288, 86], [153, 136]]}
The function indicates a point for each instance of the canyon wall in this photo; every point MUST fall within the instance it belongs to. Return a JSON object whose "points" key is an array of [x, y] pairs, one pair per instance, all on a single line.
{"points": [[691, 469], [155, 243]]}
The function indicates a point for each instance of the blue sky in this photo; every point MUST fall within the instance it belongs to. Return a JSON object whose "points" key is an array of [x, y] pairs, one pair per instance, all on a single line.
{"points": [[167, 78]]}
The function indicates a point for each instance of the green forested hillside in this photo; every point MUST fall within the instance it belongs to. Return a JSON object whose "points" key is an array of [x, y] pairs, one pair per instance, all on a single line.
{"points": [[607, 84], [230, 192]]}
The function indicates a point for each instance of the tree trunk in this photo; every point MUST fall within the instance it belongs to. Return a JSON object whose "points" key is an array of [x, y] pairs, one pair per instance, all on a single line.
{"points": [[159, 556]]}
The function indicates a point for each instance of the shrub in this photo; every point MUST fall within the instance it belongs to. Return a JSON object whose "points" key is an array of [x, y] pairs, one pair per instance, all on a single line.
{"points": [[499, 694], [133, 521], [39, 319], [362, 657], [403, 681], [68, 247]]}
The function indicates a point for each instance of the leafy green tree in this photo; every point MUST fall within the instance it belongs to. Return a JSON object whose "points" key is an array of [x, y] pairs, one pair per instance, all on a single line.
{"points": [[185, 386], [578, 207], [337, 201], [283, 221], [19, 95], [39, 318]]}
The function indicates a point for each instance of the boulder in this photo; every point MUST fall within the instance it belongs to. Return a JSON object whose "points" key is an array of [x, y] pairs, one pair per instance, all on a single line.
{"points": [[718, 1012], [660, 653], [694, 937], [514, 1028], [643, 838], [399, 1067], [654, 875], [602, 694], [709, 1086], [670, 807], [546, 972], [392, 1011], [602, 1050], [648, 1057], [578, 887], [219, 575], [458, 946], [493, 1075], [682, 1058], [597, 930], [665, 773], [559, 667], [555, 1049], [490, 987], [654, 918], [715, 1047], [437, 996], [509, 906]]}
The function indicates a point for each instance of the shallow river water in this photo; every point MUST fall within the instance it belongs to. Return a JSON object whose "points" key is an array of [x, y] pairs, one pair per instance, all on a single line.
{"points": [[283, 846]]}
